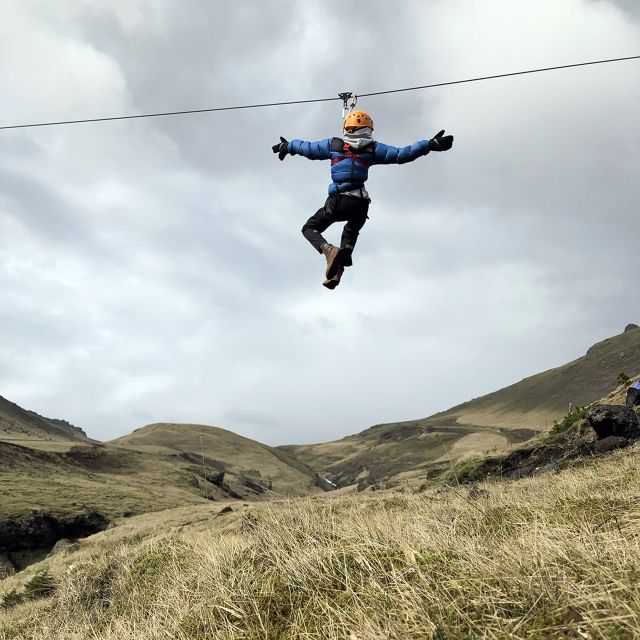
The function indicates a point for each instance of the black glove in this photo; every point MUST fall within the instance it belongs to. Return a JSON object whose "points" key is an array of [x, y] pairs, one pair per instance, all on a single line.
{"points": [[440, 142], [282, 148]]}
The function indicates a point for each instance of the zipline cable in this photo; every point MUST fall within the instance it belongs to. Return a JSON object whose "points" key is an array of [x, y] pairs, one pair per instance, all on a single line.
{"points": [[292, 102], [500, 75]]}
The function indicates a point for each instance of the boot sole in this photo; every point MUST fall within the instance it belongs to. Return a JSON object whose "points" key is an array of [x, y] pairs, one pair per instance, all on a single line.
{"points": [[342, 257], [332, 283]]}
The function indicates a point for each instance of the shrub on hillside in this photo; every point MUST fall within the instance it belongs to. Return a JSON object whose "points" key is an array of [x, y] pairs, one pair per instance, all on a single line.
{"points": [[572, 418], [43, 584]]}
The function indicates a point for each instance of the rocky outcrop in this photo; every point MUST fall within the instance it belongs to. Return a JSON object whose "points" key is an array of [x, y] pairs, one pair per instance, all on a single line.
{"points": [[215, 478], [614, 420], [40, 529], [21, 421], [630, 327], [605, 428], [610, 444], [257, 486]]}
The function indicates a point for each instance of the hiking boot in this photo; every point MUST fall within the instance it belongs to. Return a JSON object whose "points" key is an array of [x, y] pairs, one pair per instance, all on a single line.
{"points": [[345, 257], [332, 283], [331, 253]]}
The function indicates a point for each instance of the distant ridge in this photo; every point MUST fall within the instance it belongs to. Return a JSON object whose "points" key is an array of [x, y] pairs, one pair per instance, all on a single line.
{"points": [[17, 423]]}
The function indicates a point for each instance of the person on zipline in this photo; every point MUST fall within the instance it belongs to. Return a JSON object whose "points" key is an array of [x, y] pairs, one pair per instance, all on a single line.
{"points": [[348, 201]]}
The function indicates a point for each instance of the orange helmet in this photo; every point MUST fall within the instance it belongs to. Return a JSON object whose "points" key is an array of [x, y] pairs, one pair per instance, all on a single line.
{"points": [[358, 119]]}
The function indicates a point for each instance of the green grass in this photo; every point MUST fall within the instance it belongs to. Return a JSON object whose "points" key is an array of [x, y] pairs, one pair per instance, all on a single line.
{"points": [[32, 480]]}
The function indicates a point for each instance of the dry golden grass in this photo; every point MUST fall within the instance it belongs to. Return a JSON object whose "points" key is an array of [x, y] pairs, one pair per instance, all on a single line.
{"points": [[556, 556]]}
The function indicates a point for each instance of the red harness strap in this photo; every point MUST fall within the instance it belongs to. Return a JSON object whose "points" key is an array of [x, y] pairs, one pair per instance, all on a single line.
{"points": [[349, 154]]}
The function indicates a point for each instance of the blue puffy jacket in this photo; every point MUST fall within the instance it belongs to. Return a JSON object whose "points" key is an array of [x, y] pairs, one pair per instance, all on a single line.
{"points": [[350, 169]]}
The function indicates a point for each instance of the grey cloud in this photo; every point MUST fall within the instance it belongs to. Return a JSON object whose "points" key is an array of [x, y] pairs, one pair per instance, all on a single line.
{"points": [[171, 250]]}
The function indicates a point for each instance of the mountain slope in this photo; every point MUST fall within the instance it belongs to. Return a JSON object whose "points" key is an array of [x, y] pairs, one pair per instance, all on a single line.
{"points": [[156, 467], [55, 483], [501, 418], [224, 458], [545, 397], [18, 424]]}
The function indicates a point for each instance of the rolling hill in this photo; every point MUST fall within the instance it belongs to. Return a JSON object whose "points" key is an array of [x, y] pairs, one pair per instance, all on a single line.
{"points": [[68, 488], [390, 452], [224, 458]]}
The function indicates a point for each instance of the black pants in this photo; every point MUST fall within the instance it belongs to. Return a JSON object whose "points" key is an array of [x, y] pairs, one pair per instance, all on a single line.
{"points": [[337, 208], [633, 397]]}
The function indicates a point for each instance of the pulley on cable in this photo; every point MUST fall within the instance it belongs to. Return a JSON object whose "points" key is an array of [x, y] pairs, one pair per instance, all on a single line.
{"points": [[345, 96]]}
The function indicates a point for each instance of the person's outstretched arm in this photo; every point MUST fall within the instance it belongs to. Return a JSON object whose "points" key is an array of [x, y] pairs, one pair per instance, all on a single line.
{"points": [[320, 150], [386, 154]]}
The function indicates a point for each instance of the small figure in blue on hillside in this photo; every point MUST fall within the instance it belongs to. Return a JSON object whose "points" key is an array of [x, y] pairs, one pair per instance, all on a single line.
{"points": [[348, 201], [633, 395]]}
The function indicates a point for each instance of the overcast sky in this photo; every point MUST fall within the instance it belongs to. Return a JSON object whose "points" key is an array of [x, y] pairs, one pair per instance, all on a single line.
{"points": [[154, 270]]}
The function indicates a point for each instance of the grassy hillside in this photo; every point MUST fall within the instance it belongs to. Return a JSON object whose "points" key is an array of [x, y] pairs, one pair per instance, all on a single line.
{"points": [[27, 427], [244, 462], [390, 452], [77, 489], [556, 556], [537, 401], [90, 477]]}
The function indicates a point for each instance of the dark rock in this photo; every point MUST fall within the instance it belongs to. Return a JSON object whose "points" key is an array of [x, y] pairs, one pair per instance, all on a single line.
{"points": [[68, 426], [231, 492], [630, 327], [215, 478], [610, 443], [253, 486], [41, 530], [225, 510], [614, 420]]}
